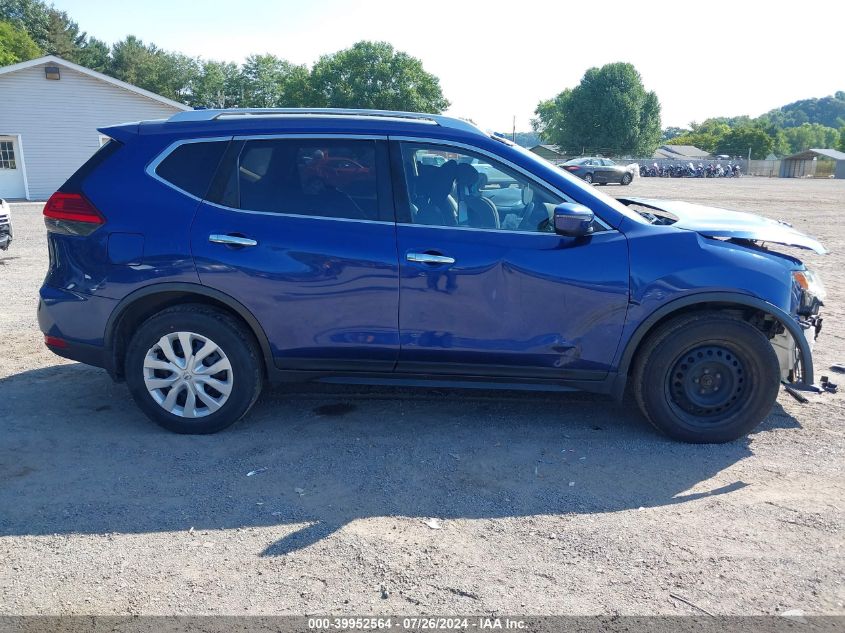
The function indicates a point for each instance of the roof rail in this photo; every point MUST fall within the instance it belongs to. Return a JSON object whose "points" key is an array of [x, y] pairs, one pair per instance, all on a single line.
{"points": [[432, 119]]}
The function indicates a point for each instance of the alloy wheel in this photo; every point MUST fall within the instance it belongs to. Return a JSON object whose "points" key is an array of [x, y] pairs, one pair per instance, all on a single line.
{"points": [[188, 374]]}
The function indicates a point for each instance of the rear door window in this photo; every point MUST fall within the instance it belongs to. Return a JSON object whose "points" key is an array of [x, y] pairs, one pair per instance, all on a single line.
{"points": [[191, 166], [336, 178]]}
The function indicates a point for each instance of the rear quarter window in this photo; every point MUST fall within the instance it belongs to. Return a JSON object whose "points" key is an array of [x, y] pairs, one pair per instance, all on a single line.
{"points": [[191, 166]]}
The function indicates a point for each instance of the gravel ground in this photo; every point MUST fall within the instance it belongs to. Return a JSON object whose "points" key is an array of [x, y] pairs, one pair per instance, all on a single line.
{"points": [[544, 504]]}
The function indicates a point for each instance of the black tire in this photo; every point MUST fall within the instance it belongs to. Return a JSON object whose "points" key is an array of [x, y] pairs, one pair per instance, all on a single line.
{"points": [[229, 335], [626, 179], [706, 378], [588, 178]]}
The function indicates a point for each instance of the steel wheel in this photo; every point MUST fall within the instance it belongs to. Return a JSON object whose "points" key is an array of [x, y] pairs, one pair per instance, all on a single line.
{"points": [[188, 374], [708, 382]]}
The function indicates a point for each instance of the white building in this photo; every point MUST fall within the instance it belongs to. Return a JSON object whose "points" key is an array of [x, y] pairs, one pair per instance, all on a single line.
{"points": [[50, 110]]}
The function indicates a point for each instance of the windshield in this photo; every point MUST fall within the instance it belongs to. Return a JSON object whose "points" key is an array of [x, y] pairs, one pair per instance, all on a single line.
{"points": [[580, 184]]}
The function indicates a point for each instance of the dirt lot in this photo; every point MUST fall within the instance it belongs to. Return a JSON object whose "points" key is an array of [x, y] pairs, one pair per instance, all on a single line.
{"points": [[546, 503]]}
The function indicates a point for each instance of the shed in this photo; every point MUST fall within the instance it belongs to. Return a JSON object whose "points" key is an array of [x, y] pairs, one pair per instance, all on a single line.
{"points": [[549, 152], [49, 114], [814, 163]]}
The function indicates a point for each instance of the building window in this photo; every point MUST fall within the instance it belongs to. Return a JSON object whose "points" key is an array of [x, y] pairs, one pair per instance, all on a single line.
{"points": [[7, 155]]}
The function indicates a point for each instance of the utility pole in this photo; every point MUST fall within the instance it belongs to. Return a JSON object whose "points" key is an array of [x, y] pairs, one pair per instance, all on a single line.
{"points": [[513, 132], [748, 167]]}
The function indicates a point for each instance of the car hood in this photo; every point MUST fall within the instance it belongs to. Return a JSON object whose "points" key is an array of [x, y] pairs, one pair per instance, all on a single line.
{"points": [[716, 222]]}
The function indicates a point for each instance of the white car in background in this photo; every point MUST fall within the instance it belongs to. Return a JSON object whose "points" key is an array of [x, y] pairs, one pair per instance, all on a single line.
{"points": [[5, 225]]}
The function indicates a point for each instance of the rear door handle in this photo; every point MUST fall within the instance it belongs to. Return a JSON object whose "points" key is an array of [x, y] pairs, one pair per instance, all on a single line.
{"points": [[429, 258], [231, 240]]}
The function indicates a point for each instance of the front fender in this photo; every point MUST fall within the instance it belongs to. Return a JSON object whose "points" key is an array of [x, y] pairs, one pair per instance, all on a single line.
{"points": [[789, 322]]}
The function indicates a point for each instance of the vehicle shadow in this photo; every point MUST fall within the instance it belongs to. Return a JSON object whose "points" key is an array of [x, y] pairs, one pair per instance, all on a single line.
{"points": [[78, 457]]}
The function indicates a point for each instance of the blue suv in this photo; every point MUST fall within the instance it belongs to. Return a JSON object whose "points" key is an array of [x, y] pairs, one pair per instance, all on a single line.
{"points": [[199, 257]]}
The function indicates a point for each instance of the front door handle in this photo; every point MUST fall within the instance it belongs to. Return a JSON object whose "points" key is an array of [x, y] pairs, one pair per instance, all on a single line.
{"points": [[231, 240], [429, 258]]}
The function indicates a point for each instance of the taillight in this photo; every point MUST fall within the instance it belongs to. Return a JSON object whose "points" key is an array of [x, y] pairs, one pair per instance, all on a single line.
{"points": [[572, 168], [71, 214]]}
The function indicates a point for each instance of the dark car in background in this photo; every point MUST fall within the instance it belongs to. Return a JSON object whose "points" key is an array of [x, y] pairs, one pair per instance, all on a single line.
{"points": [[599, 170]]}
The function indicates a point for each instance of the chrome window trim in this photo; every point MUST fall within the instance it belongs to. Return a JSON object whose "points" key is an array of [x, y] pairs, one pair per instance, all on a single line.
{"points": [[530, 176], [151, 167], [167, 151], [294, 215], [509, 231]]}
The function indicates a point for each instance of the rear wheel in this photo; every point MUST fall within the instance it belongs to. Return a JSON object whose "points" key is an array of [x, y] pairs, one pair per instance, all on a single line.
{"points": [[706, 378], [588, 178], [193, 369], [626, 179]]}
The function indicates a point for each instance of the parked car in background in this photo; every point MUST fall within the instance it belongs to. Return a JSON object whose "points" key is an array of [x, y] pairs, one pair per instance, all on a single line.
{"points": [[199, 257], [599, 170], [5, 225]]}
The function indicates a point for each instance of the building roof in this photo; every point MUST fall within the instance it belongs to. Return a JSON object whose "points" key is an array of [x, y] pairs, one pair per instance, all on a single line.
{"points": [[680, 151], [815, 153], [58, 61], [551, 148]]}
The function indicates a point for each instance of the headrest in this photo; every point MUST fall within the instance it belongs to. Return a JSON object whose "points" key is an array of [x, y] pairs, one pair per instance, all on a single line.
{"points": [[527, 195], [467, 176], [442, 179]]}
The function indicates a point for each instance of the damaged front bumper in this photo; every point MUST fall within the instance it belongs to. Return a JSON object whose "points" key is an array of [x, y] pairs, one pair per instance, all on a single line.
{"points": [[795, 353]]}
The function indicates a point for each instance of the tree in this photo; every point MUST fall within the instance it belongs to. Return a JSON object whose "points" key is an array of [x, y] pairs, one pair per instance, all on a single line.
{"points": [[95, 54], [737, 141], [609, 111], [270, 82], [16, 45], [171, 75], [672, 132], [64, 38], [842, 139], [374, 75], [30, 15], [810, 135], [218, 85], [706, 135]]}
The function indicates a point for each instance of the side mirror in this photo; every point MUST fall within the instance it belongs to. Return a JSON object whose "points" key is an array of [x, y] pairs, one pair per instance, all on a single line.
{"points": [[573, 220]]}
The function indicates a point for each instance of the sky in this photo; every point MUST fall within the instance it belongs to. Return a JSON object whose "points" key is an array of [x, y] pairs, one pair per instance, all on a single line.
{"points": [[496, 60]]}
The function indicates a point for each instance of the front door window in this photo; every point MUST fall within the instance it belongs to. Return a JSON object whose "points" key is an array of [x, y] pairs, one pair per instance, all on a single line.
{"points": [[459, 188]]}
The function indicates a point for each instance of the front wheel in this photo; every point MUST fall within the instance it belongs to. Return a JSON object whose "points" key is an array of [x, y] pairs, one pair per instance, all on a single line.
{"points": [[193, 369], [626, 179], [588, 178], [706, 378]]}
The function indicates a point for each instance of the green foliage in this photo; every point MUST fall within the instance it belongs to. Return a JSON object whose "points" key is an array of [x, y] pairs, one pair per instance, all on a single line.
{"points": [[374, 75], [218, 85], [16, 45], [368, 75], [64, 38], [705, 135], [842, 138], [739, 139], [672, 132], [609, 111], [270, 82], [94, 54], [810, 135], [828, 111], [33, 16]]}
